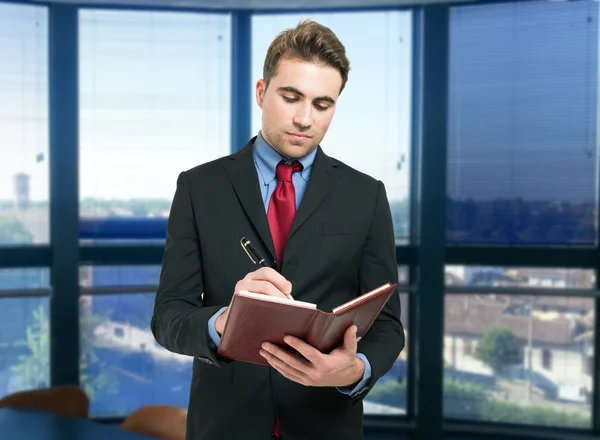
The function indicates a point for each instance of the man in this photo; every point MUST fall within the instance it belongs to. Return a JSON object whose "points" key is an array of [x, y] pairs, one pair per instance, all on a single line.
{"points": [[326, 231]]}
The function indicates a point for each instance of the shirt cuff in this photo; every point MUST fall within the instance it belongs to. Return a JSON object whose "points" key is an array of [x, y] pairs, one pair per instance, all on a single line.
{"points": [[365, 380], [212, 329]]}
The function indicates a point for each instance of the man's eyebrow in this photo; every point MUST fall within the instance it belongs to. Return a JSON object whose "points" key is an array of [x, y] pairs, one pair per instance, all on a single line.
{"points": [[299, 93]]}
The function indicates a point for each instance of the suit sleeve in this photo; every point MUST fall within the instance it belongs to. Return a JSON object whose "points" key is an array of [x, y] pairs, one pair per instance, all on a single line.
{"points": [[180, 321], [385, 339]]}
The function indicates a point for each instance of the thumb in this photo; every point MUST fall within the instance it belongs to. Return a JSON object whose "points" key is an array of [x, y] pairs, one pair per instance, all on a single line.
{"points": [[350, 338]]}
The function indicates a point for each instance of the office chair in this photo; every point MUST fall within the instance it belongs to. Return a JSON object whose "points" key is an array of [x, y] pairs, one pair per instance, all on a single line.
{"points": [[66, 400], [162, 421]]}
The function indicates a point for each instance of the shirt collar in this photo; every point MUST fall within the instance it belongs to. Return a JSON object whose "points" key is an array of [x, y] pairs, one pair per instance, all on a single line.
{"points": [[266, 159]]}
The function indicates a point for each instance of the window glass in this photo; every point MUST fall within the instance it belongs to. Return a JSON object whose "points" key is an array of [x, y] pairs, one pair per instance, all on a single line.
{"points": [[522, 132], [388, 396], [519, 358], [24, 344], [371, 129], [24, 178], [154, 101], [122, 365]]}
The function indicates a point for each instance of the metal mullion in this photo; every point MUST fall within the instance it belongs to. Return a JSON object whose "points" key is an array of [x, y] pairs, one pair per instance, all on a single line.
{"points": [[25, 293], [64, 197], [413, 269], [25, 256], [241, 83], [434, 55], [522, 256], [596, 372], [117, 290]]}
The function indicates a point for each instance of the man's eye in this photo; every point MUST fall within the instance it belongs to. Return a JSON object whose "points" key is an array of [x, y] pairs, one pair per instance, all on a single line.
{"points": [[286, 99], [321, 108]]}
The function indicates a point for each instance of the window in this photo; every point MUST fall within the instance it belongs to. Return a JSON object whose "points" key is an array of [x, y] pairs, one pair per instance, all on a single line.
{"points": [[522, 158], [24, 278], [370, 134], [388, 396], [154, 101], [558, 278], [589, 365], [24, 178], [24, 334], [24, 344], [122, 366], [468, 347], [531, 358], [547, 359], [109, 276]]}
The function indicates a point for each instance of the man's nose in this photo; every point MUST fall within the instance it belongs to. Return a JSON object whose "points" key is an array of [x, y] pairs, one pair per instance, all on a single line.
{"points": [[303, 117]]}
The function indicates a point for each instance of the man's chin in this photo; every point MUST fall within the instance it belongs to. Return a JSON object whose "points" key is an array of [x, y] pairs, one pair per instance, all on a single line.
{"points": [[296, 150], [297, 153]]}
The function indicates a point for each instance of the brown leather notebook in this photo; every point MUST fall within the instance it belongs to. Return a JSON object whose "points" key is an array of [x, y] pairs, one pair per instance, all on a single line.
{"points": [[256, 318]]}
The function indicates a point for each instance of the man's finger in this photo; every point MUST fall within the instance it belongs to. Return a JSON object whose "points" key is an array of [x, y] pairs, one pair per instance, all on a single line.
{"points": [[301, 365], [270, 274], [290, 376], [350, 338], [310, 353], [284, 368], [264, 287]]}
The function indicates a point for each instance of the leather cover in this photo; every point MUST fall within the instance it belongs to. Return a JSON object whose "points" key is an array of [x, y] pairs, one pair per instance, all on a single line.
{"points": [[252, 322]]}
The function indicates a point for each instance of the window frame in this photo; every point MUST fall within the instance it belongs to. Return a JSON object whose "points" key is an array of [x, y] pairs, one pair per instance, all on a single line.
{"points": [[426, 255]]}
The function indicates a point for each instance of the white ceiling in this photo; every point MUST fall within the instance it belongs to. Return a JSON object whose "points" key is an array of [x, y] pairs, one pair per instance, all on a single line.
{"points": [[255, 4]]}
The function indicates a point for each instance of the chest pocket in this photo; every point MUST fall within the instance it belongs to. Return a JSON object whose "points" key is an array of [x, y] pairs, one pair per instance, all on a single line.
{"points": [[343, 227], [342, 241]]}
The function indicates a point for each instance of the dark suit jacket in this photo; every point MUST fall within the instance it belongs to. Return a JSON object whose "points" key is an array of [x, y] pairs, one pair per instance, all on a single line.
{"points": [[341, 245]]}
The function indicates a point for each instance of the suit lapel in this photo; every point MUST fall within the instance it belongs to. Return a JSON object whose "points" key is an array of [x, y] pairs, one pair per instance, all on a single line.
{"points": [[242, 173], [323, 176]]}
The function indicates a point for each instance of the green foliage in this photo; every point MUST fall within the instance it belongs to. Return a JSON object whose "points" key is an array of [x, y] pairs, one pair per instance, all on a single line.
{"points": [[103, 380], [499, 348], [499, 411], [464, 400], [13, 230], [387, 387], [34, 367]]}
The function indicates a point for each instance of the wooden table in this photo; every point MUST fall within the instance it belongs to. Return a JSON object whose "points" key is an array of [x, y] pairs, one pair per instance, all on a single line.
{"points": [[32, 425]]}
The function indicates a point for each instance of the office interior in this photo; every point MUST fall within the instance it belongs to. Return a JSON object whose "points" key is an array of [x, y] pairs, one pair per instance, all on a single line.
{"points": [[481, 118]]}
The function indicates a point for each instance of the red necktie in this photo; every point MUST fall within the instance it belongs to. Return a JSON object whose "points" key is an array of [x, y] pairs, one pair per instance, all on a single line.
{"points": [[281, 212], [282, 207]]}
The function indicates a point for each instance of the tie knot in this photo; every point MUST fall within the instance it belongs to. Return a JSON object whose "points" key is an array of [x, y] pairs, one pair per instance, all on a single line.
{"points": [[284, 171]]}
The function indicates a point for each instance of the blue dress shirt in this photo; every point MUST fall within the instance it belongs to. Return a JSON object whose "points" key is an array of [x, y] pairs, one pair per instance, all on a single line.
{"points": [[266, 160]]}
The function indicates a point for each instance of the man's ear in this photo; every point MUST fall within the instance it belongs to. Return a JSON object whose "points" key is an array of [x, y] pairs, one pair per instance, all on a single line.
{"points": [[261, 88]]}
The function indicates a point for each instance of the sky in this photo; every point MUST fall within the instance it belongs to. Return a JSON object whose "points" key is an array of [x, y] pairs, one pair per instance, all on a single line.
{"points": [[155, 100], [155, 97]]}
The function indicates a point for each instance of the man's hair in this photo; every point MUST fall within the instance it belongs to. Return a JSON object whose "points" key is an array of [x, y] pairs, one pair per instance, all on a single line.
{"points": [[308, 41]]}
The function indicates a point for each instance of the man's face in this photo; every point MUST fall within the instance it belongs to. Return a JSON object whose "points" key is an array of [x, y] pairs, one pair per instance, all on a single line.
{"points": [[298, 106]]}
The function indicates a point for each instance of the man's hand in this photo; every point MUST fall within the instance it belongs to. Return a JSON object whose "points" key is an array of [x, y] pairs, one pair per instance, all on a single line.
{"points": [[264, 280], [339, 368]]}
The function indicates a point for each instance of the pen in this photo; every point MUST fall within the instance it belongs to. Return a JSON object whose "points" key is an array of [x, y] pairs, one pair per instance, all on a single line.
{"points": [[255, 256]]}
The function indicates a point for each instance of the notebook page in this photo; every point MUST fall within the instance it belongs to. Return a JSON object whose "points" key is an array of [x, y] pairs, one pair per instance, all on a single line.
{"points": [[276, 299]]}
